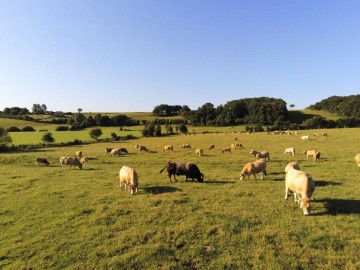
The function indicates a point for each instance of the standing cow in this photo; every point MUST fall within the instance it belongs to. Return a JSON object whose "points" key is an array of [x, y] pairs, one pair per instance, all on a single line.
{"points": [[42, 161], [129, 178], [302, 185], [255, 167], [190, 170]]}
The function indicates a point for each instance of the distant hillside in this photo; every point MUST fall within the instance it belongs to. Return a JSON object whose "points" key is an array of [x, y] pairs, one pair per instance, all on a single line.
{"points": [[346, 106], [298, 116]]}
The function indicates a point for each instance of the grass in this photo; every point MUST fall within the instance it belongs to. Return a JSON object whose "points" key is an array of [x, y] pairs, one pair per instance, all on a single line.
{"points": [[81, 219]]}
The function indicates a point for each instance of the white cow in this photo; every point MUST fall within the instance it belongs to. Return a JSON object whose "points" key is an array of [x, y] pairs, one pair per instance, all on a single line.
{"points": [[290, 150], [292, 165], [302, 185], [129, 178], [305, 138], [357, 159]]}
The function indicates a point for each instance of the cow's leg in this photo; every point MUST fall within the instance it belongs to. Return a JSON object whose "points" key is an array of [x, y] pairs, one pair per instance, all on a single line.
{"points": [[286, 192]]}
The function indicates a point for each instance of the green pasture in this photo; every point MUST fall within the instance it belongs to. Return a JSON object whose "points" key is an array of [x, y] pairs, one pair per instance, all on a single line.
{"points": [[81, 219]]}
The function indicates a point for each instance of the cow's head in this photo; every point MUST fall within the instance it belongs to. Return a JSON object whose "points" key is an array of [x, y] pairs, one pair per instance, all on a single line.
{"points": [[201, 178], [305, 206]]}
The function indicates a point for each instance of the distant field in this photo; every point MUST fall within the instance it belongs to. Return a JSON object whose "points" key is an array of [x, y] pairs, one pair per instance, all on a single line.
{"points": [[81, 219]]}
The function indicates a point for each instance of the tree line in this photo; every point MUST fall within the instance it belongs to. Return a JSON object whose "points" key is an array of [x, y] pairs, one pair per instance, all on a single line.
{"points": [[346, 106]]}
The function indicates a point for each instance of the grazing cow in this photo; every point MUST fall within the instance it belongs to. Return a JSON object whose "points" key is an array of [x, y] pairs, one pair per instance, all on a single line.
{"points": [[290, 150], [302, 185], [305, 138], [129, 178], [235, 146], [141, 147], [78, 154], [226, 149], [168, 147], [190, 170], [185, 146], [42, 161], [123, 150], [108, 150], [72, 161], [357, 159], [258, 166], [292, 165], [309, 153], [199, 152], [212, 146], [324, 134], [115, 152], [316, 156], [262, 154]]}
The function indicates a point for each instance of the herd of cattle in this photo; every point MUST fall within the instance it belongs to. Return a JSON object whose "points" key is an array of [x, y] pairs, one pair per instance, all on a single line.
{"points": [[298, 182]]}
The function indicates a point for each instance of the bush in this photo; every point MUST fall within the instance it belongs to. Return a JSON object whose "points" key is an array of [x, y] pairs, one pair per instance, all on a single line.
{"points": [[28, 128], [13, 129], [62, 128]]}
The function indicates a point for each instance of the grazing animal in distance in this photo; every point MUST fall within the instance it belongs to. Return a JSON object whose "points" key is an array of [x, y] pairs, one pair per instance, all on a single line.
{"points": [[129, 178], [199, 152], [42, 161], [212, 146], [185, 146], [255, 167], [141, 148], [168, 147], [305, 138], [108, 150], [190, 170], [78, 154], [262, 154], [290, 150], [302, 185], [226, 149], [316, 156], [72, 161], [235, 146]]}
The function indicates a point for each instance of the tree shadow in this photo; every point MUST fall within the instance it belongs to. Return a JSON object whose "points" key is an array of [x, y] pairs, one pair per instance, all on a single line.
{"points": [[160, 189], [324, 183], [339, 206]]}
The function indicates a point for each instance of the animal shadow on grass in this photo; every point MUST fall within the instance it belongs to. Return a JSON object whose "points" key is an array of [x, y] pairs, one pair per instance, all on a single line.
{"points": [[339, 206], [324, 183], [160, 189], [217, 182]]}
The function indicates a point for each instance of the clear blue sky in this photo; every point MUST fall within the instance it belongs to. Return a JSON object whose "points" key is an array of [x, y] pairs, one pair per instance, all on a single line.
{"points": [[132, 55]]}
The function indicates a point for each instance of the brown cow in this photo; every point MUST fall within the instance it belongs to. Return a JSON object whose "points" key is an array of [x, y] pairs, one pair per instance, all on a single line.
{"points": [[255, 167], [72, 161]]}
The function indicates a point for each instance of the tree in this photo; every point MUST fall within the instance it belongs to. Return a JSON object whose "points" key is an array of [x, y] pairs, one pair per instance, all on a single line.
{"points": [[291, 106], [4, 137], [48, 138], [95, 133], [183, 129], [39, 109]]}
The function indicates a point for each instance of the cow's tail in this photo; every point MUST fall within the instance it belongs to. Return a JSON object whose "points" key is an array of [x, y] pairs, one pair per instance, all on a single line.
{"points": [[163, 168]]}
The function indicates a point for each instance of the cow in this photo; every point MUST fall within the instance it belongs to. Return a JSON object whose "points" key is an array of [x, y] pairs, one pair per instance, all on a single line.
{"points": [[108, 150], [262, 154], [302, 185], [212, 146], [290, 150], [357, 159], [316, 156], [42, 161], [78, 154], [226, 149], [168, 147], [258, 166], [292, 165], [305, 138], [235, 146], [199, 152], [115, 152], [123, 150], [141, 147], [185, 146], [190, 170], [72, 161], [309, 153], [129, 178]]}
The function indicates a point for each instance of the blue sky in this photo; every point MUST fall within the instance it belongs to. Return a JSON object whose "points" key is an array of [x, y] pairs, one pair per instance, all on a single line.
{"points": [[132, 55]]}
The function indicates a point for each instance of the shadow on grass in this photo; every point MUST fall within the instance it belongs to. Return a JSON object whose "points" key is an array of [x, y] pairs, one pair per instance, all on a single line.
{"points": [[339, 206], [324, 183], [218, 182], [160, 189]]}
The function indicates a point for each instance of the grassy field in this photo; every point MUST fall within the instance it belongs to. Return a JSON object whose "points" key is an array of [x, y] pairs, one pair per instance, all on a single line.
{"points": [[81, 219]]}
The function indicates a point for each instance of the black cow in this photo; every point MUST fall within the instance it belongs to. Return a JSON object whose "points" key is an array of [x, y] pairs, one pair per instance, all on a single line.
{"points": [[42, 161], [190, 170]]}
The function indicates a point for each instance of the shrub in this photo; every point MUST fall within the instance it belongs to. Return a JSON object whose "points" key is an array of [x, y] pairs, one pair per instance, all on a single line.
{"points": [[13, 129], [62, 128], [28, 128]]}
